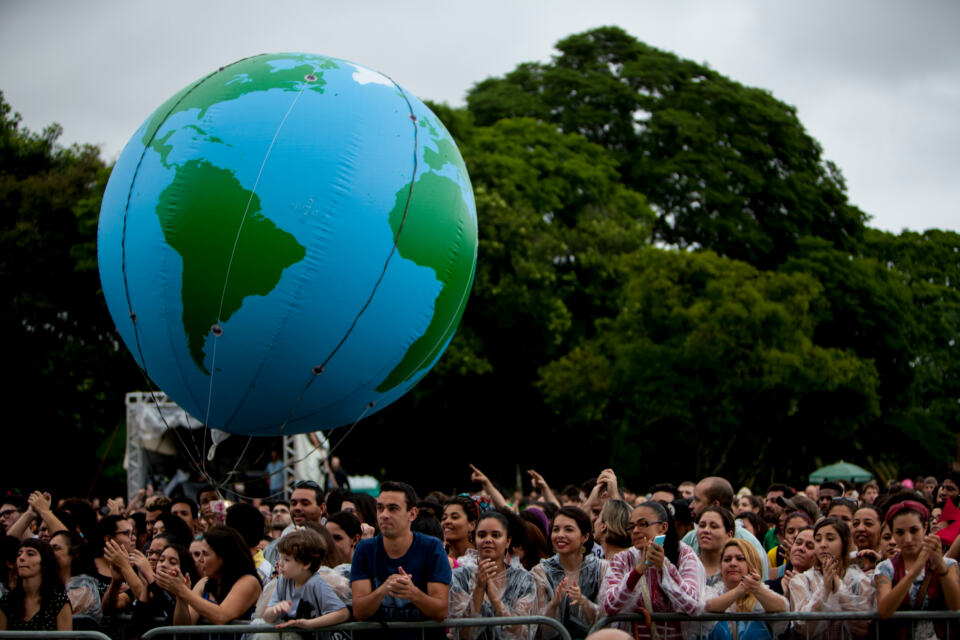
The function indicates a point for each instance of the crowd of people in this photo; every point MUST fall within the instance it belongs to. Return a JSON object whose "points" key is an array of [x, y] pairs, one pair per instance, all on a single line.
{"points": [[327, 557]]}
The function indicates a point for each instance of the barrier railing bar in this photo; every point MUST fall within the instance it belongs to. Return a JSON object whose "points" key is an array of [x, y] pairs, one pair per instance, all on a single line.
{"points": [[360, 626], [91, 635], [786, 616]]}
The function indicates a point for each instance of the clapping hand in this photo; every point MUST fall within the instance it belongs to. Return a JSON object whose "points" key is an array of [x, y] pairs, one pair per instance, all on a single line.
{"points": [[559, 593], [116, 555], [39, 502], [751, 582], [831, 574]]}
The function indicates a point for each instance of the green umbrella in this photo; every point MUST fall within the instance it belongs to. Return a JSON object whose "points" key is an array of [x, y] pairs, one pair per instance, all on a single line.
{"points": [[841, 471]]}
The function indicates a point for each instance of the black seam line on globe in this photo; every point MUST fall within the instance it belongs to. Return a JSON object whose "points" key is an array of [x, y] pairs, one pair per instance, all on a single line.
{"points": [[279, 331], [233, 251], [201, 465], [386, 264]]}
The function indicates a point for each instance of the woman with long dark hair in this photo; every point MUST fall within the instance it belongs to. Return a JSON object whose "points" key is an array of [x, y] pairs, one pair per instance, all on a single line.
{"points": [[75, 572], [39, 601], [918, 577], [492, 586], [458, 523], [229, 587], [569, 582], [158, 606], [655, 577], [833, 584], [715, 527]]}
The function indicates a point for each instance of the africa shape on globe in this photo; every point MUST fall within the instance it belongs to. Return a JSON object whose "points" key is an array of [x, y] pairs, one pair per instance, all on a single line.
{"points": [[288, 242]]}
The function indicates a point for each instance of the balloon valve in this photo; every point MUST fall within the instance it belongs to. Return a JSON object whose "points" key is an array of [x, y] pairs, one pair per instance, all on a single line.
{"points": [[370, 404], [133, 316], [413, 117], [216, 330], [310, 77], [318, 369]]}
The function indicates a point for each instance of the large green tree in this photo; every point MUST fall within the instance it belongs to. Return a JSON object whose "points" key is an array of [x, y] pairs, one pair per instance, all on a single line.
{"points": [[68, 372], [711, 364], [726, 167]]}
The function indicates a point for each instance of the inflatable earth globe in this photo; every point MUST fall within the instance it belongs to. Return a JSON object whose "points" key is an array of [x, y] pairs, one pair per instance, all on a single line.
{"points": [[288, 244]]}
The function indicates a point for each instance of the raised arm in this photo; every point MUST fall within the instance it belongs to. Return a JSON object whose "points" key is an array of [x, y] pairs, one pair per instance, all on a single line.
{"points": [[541, 485], [495, 496]]}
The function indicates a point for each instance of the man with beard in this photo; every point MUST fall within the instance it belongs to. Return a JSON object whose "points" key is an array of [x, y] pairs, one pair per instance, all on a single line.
{"points": [[306, 505], [772, 512]]}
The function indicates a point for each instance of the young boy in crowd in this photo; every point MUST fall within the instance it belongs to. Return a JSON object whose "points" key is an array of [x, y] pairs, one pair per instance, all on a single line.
{"points": [[302, 598]]}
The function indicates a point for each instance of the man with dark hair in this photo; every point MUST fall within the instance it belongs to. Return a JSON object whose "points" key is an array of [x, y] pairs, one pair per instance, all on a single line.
{"points": [[250, 524], [772, 512], [715, 491], [206, 496], [279, 518], [664, 493], [187, 510], [570, 496], [11, 508], [307, 503], [828, 491], [400, 575], [156, 506]]}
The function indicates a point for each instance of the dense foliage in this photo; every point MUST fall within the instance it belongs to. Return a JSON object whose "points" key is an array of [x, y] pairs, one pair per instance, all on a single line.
{"points": [[671, 280]]}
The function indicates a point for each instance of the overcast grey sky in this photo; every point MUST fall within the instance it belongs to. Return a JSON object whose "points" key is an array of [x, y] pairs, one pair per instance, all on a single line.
{"points": [[876, 82]]}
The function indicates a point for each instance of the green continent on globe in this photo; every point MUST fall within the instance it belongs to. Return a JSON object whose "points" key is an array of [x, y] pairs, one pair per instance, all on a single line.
{"points": [[436, 234], [201, 213], [233, 81]]}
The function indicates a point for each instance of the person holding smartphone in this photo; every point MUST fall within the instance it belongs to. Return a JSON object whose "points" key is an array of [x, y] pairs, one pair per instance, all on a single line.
{"points": [[657, 574]]}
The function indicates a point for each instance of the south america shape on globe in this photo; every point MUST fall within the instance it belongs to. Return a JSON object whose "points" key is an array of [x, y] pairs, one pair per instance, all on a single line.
{"points": [[287, 215]]}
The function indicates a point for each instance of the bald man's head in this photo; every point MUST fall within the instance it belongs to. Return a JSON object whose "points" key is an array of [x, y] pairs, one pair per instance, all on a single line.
{"points": [[709, 492], [609, 634]]}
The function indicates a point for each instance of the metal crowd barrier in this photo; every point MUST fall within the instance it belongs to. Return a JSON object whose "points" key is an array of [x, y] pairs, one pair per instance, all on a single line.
{"points": [[92, 635], [239, 629], [944, 617]]}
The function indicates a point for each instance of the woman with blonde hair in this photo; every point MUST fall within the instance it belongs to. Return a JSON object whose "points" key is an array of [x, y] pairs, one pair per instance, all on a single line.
{"points": [[612, 528], [741, 590]]}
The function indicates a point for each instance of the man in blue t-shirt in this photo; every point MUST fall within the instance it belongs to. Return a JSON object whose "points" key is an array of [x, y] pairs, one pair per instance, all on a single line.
{"points": [[399, 575]]}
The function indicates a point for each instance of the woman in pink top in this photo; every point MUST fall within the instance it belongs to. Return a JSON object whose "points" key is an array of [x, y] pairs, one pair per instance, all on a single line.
{"points": [[653, 577]]}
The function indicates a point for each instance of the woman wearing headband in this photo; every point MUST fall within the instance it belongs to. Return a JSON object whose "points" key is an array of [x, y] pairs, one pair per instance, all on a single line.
{"points": [[918, 577]]}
